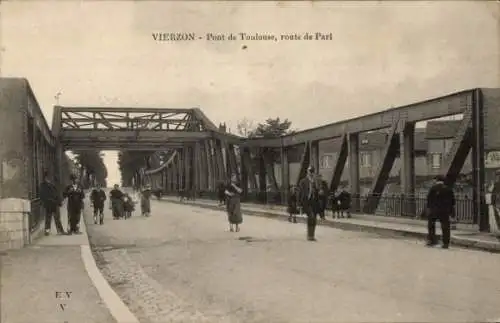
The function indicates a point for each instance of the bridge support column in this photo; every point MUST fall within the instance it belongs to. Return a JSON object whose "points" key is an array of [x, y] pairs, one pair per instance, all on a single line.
{"points": [[188, 161], [285, 175], [304, 163], [354, 170], [387, 161], [407, 157], [262, 177], [60, 165], [231, 161], [209, 165], [181, 171], [196, 168], [339, 164], [478, 174], [244, 172], [247, 165], [219, 162], [314, 155], [203, 169]]}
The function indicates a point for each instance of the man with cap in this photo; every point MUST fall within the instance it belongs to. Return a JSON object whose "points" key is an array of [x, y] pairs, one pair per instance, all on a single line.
{"points": [[51, 201], [309, 200], [440, 206], [75, 195]]}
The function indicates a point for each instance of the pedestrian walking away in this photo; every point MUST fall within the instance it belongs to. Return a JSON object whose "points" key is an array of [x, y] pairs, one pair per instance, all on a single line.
{"points": [[75, 195], [233, 193], [309, 201], [146, 201], [97, 197], [344, 203], [116, 199], [51, 201], [440, 206]]}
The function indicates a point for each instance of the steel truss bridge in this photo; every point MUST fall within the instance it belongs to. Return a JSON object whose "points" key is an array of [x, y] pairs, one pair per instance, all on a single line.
{"points": [[189, 152]]}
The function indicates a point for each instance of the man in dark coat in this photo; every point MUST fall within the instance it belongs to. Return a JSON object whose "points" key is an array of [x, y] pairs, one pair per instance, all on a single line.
{"points": [[51, 201], [75, 195], [98, 196], [309, 188], [440, 206]]}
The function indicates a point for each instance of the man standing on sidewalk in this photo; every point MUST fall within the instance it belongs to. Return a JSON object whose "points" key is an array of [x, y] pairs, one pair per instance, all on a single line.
{"points": [[75, 195], [440, 206], [309, 200], [51, 201]]}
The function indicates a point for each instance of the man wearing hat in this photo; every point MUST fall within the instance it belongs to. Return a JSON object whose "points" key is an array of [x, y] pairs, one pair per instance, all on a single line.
{"points": [[75, 195], [440, 206], [309, 200]]}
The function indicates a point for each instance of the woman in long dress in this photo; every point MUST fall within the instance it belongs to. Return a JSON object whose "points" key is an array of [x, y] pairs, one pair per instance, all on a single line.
{"points": [[233, 192]]}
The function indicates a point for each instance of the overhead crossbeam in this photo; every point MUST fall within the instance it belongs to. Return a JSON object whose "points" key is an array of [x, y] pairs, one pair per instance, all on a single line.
{"points": [[430, 109], [388, 157], [148, 136], [132, 118], [121, 146]]}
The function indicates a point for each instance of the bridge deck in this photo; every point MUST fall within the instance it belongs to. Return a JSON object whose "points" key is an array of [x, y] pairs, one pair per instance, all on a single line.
{"points": [[183, 264]]}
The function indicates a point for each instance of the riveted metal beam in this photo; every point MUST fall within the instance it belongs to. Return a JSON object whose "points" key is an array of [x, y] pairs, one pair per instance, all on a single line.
{"points": [[338, 169], [388, 157], [455, 103], [304, 164]]}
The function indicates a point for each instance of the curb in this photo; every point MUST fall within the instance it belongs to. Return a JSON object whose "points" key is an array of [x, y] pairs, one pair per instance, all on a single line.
{"points": [[487, 246], [115, 305]]}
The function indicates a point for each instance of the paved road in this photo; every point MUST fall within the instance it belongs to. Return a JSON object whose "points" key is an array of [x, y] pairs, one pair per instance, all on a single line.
{"points": [[183, 265]]}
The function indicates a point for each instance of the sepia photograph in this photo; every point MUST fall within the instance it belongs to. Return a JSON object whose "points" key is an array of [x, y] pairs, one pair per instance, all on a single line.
{"points": [[249, 161]]}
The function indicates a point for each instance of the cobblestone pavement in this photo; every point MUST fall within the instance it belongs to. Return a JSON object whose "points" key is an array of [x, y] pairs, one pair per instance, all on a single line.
{"points": [[30, 278], [183, 265]]}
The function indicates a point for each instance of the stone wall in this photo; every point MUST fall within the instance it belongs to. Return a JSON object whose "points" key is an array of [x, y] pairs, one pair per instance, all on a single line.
{"points": [[14, 223], [14, 159]]}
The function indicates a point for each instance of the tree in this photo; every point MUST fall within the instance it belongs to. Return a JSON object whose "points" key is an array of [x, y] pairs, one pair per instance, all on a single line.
{"points": [[245, 127], [91, 165], [272, 128]]}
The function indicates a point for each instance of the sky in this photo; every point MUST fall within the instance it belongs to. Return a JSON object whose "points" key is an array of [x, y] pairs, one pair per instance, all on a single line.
{"points": [[381, 54]]}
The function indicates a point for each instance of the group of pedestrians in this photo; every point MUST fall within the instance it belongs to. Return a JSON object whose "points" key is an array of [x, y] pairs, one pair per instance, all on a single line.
{"points": [[311, 198], [51, 201], [120, 203]]}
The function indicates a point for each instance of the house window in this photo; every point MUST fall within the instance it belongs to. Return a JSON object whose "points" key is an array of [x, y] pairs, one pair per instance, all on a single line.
{"points": [[326, 161], [366, 159], [447, 143], [436, 161]]}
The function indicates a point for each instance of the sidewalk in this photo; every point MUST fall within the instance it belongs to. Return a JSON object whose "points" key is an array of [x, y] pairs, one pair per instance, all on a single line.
{"points": [[37, 279], [466, 236]]}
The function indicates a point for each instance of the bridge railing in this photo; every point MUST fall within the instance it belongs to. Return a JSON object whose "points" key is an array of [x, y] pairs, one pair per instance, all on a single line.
{"points": [[390, 205]]}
